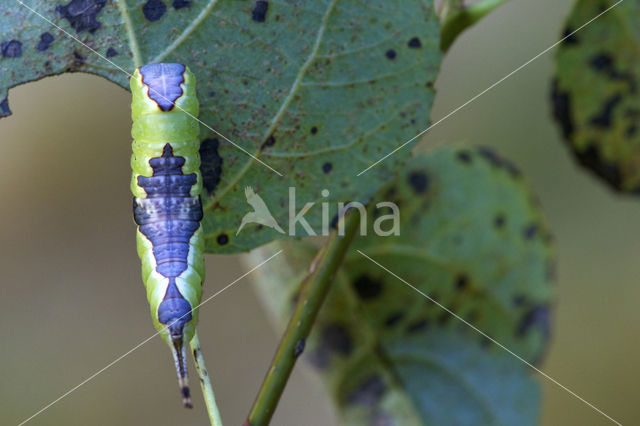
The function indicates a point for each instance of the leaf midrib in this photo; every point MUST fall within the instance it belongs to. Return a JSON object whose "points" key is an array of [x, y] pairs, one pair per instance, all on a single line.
{"points": [[204, 13], [276, 119], [131, 35]]}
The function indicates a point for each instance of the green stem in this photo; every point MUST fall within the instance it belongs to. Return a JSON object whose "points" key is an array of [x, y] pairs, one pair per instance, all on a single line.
{"points": [[205, 383], [313, 291], [456, 20]]}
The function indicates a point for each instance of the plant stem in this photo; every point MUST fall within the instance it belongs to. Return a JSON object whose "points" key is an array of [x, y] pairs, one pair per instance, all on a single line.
{"points": [[205, 382], [313, 291], [456, 20]]}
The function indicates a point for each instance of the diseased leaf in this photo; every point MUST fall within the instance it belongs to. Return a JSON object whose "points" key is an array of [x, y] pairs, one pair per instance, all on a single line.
{"points": [[595, 92], [318, 90], [472, 237]]}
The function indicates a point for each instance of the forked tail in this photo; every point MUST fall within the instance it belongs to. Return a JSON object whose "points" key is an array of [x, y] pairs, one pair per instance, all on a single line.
{"points": [[179, 355]]}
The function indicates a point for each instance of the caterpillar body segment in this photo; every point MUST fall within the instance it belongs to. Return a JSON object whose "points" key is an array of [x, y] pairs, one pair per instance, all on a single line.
{"points": [[166, 184]]}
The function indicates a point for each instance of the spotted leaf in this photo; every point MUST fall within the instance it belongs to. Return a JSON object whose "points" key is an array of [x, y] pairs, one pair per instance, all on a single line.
{"points": [[316, 90], [473, 239], [595, 93]]}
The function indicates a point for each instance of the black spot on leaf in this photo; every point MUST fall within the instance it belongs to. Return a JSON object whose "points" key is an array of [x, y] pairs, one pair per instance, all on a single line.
{"points": [[367, 287], [537, 317], [418, 326], [314, 130], [181, 4], [79, 59], [490, 155], [499, 221], [326, 167], [530, 231], [271, 141], [393, 319], [153, 10], [259, 12], [464, 157], [497, 161], [511, 168], [4, 108], [462, 282], [12, 49], [414, 43], [390, 54], [603, 119], [605, 64], [569, 37], [210, 164], [111, 52], [602, 62], [82, 14], [45, 41], [591, 159], [562, 109], [336, 338], [222, 239], [418, 181]]}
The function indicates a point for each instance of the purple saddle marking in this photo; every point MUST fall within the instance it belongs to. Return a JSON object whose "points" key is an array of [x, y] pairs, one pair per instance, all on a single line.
{"points": [[164, 82]]}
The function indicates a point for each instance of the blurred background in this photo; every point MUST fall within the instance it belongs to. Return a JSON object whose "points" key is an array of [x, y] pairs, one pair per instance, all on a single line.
{"points": [[71, 299]]}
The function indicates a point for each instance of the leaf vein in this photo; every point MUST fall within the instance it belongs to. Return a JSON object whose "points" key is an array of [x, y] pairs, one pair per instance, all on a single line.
{"points": [[186, 32], [131, 35], [280, 113]]}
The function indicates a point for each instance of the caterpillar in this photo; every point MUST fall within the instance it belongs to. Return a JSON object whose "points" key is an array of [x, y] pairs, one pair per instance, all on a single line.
{"points": [[166, 185]]}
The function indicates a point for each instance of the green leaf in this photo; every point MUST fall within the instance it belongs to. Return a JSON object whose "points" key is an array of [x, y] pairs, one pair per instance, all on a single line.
{"points": [[472, 237], [318, 90], [595, 91]]}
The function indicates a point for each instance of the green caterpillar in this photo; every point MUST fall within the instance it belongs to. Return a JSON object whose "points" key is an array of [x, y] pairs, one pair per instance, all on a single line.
{"points": [[166, 184]]}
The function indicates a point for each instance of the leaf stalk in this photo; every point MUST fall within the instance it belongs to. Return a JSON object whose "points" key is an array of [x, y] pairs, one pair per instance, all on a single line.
{"points": [[205, 383], [313, 291]]}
